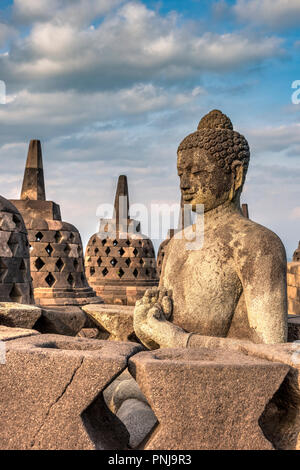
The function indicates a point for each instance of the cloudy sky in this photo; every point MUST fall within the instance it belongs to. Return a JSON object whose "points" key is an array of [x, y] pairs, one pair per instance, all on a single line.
{"points": [[111, 87]]}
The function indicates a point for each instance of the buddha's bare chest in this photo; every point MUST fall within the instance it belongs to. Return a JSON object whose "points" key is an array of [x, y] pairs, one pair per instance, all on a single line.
{"points": [[205, 285]]}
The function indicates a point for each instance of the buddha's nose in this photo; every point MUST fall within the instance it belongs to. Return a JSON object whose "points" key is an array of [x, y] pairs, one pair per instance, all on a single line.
{"points": [[184, 183]]}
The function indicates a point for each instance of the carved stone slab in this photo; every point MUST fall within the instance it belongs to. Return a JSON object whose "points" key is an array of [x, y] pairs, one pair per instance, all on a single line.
{"points": [[51, 393], [206, 399]]}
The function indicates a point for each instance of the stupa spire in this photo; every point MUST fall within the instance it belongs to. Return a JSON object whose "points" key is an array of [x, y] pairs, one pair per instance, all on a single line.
{"points": [[122, 200], [33, 183]]}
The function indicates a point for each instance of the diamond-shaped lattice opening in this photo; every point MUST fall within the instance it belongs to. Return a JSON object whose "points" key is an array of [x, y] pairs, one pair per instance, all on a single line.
{"points": [[57, 237], [140, 242], [60, 264], [99, 261], [135, 273], [67, 250], [107, 251], [115, 242], [76, 264], [104, 241], [128, 262], [39, 263], [13, 245], [92, 271], [121, 273], [105, 272], [121, 252], [71, 237], [22, 266], [15, 294], [127, 242], [96, 251], [70, 280], [147, 272], [113, 262], [50, 279], [3, 270], [135, 252], [17, 221], [39, 236], [141, 262], [146, 251], [94, 241], [49, 249]]}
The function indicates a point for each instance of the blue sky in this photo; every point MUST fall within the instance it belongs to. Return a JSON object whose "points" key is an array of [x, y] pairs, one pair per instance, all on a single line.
{"points": [[113, 86]]}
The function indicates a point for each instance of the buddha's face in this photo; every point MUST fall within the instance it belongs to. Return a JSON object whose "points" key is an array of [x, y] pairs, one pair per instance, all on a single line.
{"points": [[202, 180]]}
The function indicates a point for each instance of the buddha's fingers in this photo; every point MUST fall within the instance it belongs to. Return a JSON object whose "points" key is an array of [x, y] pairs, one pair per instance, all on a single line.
{"points": [[167, 306]]}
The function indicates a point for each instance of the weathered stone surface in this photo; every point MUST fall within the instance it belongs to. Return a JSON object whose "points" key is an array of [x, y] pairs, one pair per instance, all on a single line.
{"points": [[206, 399], [15, 279], [91, 333], [110, 390], [117, 320], [8, 333], [226, 274], [19, 315], [294, 328], [139, 420], [293, 285], [281, 419], [51, 393], [126, 389], [62, 321]]}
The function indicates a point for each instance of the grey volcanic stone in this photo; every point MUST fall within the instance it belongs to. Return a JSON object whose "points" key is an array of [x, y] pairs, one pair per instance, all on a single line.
{"points": [[138, 418], [62, 321], [19, 315], [125, 390], [51, 393]]}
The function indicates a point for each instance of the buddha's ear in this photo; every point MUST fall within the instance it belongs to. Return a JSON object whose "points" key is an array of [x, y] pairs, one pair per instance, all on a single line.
{"points": [[237, 169]]}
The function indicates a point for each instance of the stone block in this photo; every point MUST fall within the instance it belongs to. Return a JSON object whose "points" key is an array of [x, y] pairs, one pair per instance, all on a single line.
{"points": [[115, 319], [205, 399], [7, 333], [61, 320], [51, 394], [19, 315]]}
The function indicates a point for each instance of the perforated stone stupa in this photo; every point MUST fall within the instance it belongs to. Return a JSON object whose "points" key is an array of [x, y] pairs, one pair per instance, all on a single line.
{"points": [[15, 280], [120, 261], [56, 254]]}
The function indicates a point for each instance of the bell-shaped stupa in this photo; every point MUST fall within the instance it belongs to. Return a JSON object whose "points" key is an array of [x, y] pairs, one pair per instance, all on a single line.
{"points": [[120, 261], [56, 254], [15, 279]]}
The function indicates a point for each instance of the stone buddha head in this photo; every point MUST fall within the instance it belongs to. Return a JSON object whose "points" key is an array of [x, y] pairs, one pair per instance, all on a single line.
{"points": [[212, 163]]}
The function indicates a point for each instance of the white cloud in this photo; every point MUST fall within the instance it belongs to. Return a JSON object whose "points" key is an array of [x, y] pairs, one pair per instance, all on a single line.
{"points": [[78, 12], [272, 13], [6, 32], [135, 44], [60, 113]]}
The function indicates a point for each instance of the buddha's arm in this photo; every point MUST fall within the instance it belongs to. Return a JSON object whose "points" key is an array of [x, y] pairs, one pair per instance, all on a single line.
{"points": [[261, 266]]}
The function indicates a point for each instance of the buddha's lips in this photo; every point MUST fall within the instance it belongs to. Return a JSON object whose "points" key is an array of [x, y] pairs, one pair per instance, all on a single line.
{"points": [[188, 196]]}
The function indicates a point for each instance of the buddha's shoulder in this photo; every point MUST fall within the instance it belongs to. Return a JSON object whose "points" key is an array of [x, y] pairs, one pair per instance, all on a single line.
{"points": [[251, 237]]}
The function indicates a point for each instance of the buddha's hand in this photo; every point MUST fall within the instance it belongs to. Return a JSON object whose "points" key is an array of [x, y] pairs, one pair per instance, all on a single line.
{"points": [[154, 309]]}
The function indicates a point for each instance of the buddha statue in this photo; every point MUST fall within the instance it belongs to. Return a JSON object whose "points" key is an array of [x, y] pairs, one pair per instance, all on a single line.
{"points": [[234, 285]]}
